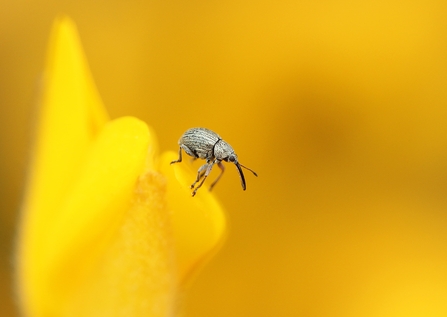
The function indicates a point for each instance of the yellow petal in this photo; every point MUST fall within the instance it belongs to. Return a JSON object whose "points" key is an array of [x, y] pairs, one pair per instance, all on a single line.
{"points": [[96, 236], [97, 202], [117, 259], [78, 184], [71, 113], [198, 222]]}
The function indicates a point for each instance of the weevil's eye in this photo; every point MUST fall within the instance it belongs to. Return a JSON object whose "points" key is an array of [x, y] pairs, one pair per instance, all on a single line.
{"points": [[232, 158]]}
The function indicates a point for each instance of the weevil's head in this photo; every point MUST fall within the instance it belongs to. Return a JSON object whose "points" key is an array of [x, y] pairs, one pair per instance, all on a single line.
{"points": [[224, 152], [232, 158]]}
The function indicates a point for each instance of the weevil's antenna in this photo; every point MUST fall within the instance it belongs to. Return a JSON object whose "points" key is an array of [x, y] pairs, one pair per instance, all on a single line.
{"points": [[249, 170]]}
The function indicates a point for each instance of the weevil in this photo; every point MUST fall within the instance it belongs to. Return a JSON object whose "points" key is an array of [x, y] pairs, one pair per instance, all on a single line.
{"points": [[201, 143]]}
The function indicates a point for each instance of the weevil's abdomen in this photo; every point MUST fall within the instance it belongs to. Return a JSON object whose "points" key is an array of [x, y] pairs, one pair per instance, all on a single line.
{"points": [[200, 141]]}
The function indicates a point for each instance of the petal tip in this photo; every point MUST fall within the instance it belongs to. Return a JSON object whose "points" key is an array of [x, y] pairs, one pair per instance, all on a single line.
{"points": [[199, 222]]}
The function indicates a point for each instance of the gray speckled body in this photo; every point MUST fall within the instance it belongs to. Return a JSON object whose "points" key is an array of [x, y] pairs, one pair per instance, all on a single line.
{"points": [[205, 144], [200, 143]]}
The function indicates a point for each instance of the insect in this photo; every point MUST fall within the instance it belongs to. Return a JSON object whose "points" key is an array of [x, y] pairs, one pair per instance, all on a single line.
{"points": [[208, 145]]}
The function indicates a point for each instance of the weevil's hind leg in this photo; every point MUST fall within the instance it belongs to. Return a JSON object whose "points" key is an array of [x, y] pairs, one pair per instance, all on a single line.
{"points": [[179, 156], [222, 168], [187, 151], [200, 174], [207, 172]]}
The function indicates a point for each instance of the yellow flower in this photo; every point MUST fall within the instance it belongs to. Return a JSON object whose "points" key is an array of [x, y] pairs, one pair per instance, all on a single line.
{"points": [[340, 108], [108, 227]]}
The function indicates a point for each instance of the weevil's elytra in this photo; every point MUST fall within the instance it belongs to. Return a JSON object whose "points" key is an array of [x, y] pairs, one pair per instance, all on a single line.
{"points": [[207, 145]]}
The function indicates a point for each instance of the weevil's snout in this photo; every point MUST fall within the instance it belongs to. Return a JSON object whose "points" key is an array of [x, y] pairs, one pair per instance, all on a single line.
{"points": [[241, 174]]}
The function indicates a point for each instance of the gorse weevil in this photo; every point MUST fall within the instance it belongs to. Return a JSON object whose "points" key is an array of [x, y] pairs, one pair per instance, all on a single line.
{"points": [[208, 145]]}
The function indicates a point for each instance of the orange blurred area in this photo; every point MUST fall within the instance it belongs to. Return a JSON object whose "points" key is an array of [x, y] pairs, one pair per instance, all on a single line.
{"points": [[339, 106]]}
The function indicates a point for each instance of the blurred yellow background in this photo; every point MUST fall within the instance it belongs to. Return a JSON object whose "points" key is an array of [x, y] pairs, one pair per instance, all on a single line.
{"points": [[340, 106]]}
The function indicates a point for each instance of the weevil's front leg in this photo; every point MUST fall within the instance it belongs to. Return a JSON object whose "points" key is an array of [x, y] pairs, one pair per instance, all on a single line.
{"points": [[222, 168], [207, 172], [200, 174], [179, 156]]}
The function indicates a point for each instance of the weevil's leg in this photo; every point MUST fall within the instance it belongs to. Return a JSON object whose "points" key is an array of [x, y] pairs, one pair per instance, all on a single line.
{"points": [[179, 156], [200, 174], [222, 168], [208, 170], [188, 151]]}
